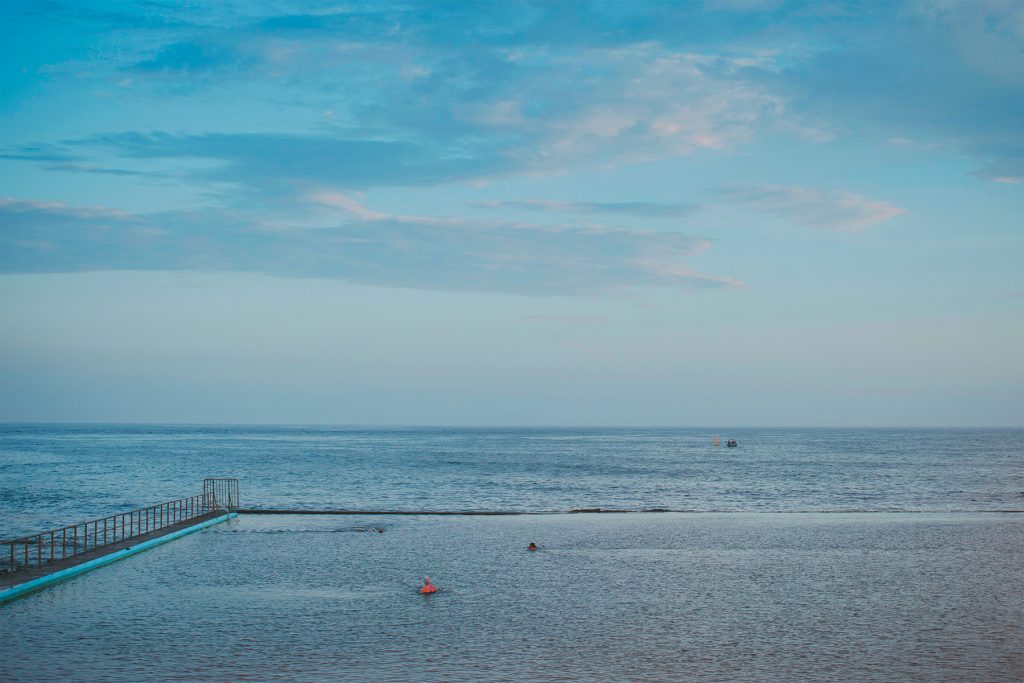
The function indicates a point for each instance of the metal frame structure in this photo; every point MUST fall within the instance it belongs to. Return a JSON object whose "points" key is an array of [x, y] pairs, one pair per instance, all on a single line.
{"points": [[57, 544], [223, 493]]}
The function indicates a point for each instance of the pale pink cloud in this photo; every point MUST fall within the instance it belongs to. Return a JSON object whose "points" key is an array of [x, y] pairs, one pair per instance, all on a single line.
{"points": [[836, 210]]}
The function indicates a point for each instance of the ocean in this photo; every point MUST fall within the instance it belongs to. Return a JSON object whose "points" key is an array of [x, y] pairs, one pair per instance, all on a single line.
{"points": [[56, 474], [801, 554]]}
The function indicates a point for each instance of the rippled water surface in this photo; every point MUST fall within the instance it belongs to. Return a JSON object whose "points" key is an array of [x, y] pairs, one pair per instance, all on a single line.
{"points": [[52, 475], [655, 597], [904, 563]]}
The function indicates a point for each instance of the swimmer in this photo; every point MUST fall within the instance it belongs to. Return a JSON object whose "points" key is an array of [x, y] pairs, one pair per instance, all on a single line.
{"points": [[532, 546], [427, 586]]}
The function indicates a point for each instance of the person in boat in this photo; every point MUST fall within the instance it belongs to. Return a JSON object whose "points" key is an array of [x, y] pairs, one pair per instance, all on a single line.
{"points": [[532, 546], [427, 586]]}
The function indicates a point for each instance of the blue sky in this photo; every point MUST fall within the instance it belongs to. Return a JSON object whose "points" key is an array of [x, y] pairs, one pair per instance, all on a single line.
{"points": [[739, 212]]}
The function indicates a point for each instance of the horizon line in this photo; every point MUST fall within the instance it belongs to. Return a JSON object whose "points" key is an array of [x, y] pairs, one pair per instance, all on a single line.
{"points": [[6, 423]]}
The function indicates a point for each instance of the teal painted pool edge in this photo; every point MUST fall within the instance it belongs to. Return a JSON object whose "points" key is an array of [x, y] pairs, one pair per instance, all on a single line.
{"points": [[71, 572]]}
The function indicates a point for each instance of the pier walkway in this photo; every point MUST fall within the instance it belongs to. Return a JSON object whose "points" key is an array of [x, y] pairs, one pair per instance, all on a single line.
{"points": [[26, 574], [41, 559]]}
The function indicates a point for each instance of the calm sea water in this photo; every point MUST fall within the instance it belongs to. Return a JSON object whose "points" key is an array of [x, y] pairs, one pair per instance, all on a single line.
{"points": [[657, 597], [901, 567], [51, 475]]}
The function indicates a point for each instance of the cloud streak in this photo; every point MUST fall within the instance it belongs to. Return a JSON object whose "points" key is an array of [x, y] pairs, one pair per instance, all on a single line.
{"points": [[834, 210], [362, 247], [641, 209], [424, 94]]}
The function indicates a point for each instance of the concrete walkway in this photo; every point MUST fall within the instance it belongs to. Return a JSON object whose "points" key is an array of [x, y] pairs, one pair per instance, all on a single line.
{"points": [[47, 568]]}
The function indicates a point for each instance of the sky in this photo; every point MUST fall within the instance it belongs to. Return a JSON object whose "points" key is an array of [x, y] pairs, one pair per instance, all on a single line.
{"points": [[719, 213]]}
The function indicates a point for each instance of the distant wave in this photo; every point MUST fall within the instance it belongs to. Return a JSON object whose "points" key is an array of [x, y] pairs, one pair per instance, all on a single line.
{"points": [[336, 530], [599, 510]]}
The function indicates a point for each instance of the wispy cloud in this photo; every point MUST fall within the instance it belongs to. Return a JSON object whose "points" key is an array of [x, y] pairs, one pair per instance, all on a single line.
{"points": [[642, 209], [403, 113], [362, 246], [549, 86], [823, 209], [342, 201], [88, 168], [268, 167], [21, 207], [951, 72], [566, 319], [192, 57]]}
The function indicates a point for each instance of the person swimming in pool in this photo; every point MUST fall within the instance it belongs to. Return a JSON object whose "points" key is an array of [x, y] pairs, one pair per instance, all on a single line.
{"points": [[427, 586], [532, 546]]}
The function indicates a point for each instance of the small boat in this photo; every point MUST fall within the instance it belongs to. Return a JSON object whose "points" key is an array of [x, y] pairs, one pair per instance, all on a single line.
{"points": [[731, 443]]}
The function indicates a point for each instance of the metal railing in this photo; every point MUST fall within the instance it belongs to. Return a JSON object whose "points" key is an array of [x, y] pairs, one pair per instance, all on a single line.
{"points": [[223, 491], [57, 544]]}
